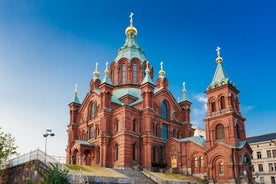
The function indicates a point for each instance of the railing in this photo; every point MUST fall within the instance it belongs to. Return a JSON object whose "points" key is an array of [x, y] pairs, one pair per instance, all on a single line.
{"points": [[34, 155]]}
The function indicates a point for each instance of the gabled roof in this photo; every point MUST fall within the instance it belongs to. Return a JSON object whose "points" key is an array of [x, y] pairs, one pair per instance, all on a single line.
{"points": [[261, 138], [118, 93]]}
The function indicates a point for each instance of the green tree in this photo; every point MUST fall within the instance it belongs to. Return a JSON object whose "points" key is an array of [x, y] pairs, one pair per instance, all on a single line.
{"points": [[7, 146], [54, 175]]}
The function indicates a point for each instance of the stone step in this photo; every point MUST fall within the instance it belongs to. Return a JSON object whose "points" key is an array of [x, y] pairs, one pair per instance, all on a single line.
{"points": [[136, 177]]}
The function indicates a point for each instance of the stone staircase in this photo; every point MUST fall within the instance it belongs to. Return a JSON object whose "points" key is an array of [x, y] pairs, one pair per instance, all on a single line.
{"points": [[136, 176]]}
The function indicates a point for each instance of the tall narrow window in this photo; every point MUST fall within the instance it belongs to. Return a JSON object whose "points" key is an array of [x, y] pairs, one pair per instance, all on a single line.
{"points": [[274, 153], [201, 162], [219, 131], [270, 167], [116, 126], [165, 131], [260, 166], [237, 131], [213, 106], [114, 76], [116, 151], [124, 73], [268, 153], [91, 132], [222, 102], [164, 110], [134, 73], [156, 130], [134, 125], [259, 155], [195, 160], [134, 151], [221, 168], [153, 154], [93, 110]]}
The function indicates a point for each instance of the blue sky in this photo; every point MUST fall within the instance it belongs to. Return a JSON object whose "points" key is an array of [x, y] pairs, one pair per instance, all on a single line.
{"points": [[48, 46]]}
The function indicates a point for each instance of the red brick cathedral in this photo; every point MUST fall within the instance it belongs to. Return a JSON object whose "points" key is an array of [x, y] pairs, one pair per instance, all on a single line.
{"points": [[127, 120]]}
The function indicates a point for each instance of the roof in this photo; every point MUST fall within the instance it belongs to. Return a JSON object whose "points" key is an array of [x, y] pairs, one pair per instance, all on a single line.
{"points": [[130, 49], [147, 79], [84, 143], [196, 139], [220, 78], [261, 138], [118, 93]]}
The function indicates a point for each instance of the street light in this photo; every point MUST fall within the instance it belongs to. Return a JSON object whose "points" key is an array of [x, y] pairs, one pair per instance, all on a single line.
{"points": [[48, 133]]}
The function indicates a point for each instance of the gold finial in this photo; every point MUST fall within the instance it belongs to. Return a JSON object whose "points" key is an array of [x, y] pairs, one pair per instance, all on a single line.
{"points": [[161, 72], [131, 28], [184, 87], [96, 73], [106, 67], [76, 89], [219, 58], [147, 69]]}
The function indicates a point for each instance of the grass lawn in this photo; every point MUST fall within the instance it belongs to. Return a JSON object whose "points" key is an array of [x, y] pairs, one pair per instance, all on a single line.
{"points": [[174, 177], [94, 171]]}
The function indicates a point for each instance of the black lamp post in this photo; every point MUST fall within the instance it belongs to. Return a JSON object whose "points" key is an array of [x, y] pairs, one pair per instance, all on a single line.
{"points": [[48, 133]]}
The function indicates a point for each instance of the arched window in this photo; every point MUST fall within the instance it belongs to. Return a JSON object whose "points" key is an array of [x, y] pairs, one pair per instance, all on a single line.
{"points": [[93, 110], [221, 168], [219, 131], [164, 110], [201, 162], [195, 162], [134, 74], [116, 151], [134, 157], [134, 125], [222, 102], [91, 132], [213, 106], [124, 73]]}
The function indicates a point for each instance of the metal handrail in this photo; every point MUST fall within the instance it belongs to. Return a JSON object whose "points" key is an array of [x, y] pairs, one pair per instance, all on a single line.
{"points": [[34, 155]]}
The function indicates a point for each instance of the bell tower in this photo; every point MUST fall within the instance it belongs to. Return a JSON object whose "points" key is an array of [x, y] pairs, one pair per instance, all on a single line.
{"points": [[224, 122]]}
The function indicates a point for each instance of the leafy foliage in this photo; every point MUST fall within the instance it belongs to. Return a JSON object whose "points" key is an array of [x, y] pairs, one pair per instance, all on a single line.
{"points": [[54, 175], [7, 146]]}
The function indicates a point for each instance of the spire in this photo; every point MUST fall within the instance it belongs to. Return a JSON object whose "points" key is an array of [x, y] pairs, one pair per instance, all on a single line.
{"points": [[161, 72], [76, 99], [96, 73], [131, 28], [106, 78], [131, 49], [184, 96], [219, 58], [147, 78], [220, 77]]}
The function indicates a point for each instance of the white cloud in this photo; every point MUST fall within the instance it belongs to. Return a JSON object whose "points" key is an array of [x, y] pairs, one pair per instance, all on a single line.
{"points": [[247, 108]]}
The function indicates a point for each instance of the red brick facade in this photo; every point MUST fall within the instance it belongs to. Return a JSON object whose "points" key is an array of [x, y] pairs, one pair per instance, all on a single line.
{"points": [[127, 120]]}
